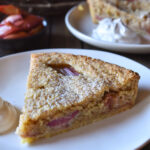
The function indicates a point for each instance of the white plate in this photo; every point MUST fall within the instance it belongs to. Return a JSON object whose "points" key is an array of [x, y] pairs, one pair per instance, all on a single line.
{"points": [[124, 131], [80, 25]]}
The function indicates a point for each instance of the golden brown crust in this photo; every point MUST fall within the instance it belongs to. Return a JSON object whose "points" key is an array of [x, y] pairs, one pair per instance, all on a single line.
{"points": [[88, 66], [51, 95], [30, 140]]}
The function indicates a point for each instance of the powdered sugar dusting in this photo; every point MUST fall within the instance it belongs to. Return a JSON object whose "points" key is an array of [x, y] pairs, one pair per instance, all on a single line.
{"points": [[68, 90]]}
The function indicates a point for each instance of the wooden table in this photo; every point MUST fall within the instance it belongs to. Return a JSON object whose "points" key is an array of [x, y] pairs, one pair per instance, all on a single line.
{"points": [[58, 36]]}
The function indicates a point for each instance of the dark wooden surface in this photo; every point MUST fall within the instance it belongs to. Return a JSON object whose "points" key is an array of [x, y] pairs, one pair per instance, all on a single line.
{"points": [[58, 36]]}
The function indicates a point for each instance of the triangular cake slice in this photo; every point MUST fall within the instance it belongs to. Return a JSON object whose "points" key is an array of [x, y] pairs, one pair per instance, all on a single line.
{"points": [[66, 91]]}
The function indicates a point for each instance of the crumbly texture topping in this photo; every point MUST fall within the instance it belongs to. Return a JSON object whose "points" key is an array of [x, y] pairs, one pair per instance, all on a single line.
{"points": [[48, 90], [95, 90], [61, 92]]}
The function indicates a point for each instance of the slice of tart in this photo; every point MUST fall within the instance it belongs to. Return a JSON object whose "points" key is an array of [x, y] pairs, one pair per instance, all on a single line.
{"points": [[135, 14], [132, 6], [66, 91]]}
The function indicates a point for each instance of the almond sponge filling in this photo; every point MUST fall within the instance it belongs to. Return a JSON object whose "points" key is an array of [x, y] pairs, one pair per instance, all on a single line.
{"points": [[66, 91], [111, 103]]}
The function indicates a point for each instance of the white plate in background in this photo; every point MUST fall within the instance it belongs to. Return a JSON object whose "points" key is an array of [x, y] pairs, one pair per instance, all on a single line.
{"points": [[125, 131], [79, 23]]}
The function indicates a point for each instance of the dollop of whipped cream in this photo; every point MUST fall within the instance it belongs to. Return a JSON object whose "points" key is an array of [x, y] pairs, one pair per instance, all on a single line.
{"points": [[113, 30], [8, 116]]}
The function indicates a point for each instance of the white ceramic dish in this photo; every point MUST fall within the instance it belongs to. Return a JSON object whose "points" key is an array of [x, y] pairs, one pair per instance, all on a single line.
{"points": [[80, 25], [125, 131]]}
